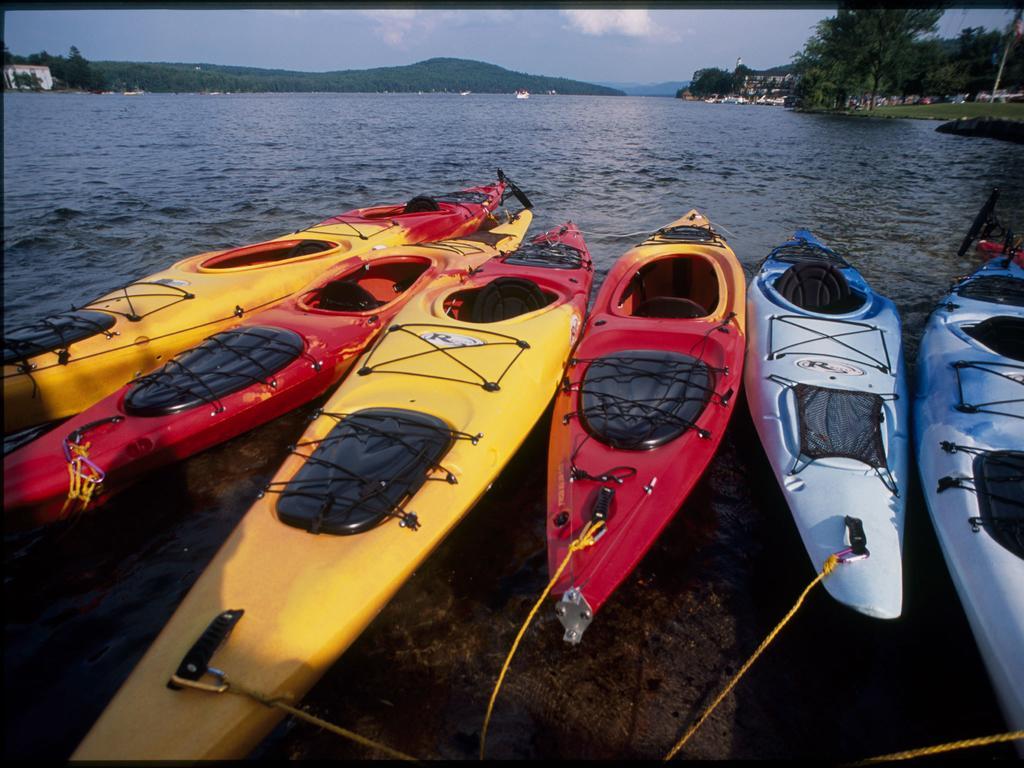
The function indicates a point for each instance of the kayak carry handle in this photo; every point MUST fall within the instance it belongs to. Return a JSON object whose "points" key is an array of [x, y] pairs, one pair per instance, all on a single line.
{"points": [[197, 661], [858, 549], [519, 194]]}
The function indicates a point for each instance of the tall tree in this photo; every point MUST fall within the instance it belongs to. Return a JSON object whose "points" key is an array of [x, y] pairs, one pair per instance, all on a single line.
{"points": [[863, 48], [77, 72], [888, 35]]}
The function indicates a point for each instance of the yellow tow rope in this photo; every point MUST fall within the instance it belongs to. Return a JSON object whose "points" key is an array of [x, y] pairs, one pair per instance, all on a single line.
{"points": [[584, 540], [947, 747], [231, 687], [826, 569], [80, 485]]}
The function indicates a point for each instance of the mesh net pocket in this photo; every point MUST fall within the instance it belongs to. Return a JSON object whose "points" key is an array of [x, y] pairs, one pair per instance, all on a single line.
{"points": [[840, 423], [996, 289], [999, 480], [549, 255]]}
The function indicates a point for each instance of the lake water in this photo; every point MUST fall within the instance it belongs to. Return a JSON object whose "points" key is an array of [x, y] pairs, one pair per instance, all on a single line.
{"points": [[99, 190]]}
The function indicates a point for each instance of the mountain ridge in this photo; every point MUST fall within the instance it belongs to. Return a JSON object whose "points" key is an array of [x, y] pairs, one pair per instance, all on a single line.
{"points": [[435, 74]]}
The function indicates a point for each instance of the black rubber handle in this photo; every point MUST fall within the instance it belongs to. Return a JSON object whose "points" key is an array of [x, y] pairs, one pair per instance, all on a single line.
{"points": [[858, 539], [520, 195], [197, 660], [603, 503], [979, 221]]}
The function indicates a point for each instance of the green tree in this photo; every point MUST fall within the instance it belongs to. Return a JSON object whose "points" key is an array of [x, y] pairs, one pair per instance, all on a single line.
{"points": [[711, 80], [863, 48], [77, 73]]}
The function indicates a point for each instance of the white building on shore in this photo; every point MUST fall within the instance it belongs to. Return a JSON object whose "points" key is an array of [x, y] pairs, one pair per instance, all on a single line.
{"points": [[30, 73]]}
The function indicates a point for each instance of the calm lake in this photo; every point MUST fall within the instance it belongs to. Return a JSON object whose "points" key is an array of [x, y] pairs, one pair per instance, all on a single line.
{"points": [[99, 190]]}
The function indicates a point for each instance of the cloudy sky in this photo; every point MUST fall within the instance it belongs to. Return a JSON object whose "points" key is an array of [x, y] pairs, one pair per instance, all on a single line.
{"points": [[626, 46]]}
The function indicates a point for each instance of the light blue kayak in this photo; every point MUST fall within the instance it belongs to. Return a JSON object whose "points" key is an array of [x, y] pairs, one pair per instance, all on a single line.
{"points": [[969, 434], [827, 391]]}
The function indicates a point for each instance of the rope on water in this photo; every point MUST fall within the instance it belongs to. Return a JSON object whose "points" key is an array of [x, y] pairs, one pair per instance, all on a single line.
{"points": [[826, 569], [585, 539], [981, 741]]}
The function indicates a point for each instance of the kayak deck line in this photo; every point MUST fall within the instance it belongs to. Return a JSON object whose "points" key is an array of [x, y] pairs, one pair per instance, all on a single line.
{"points": [[58, 366], [370, 486], [1015, 373], [883, 362], [444, 342]]}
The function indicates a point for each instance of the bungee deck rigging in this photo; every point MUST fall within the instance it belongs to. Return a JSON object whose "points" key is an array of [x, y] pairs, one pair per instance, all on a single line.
{"points": [[642, 408], [57, 367], [444, 340], [365, 469], [224, 363]]}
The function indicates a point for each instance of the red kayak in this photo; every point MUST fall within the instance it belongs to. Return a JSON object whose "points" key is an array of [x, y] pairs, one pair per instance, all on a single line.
{"points": [[644, 406], [271, 363]]}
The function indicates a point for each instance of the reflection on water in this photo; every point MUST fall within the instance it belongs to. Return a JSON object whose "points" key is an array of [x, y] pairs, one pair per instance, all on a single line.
{"points": [[101, 190]]}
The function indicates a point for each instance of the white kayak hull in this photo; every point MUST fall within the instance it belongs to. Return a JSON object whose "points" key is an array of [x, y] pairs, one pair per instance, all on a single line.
{"points": [[855, 351], [989, 577]]}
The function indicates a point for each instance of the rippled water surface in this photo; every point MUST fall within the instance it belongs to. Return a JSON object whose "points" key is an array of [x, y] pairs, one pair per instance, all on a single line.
{"points": [[99, 190]]}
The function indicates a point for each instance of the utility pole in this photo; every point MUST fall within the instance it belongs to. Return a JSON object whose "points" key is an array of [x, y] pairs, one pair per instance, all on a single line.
{"points": [[1010, 39]]}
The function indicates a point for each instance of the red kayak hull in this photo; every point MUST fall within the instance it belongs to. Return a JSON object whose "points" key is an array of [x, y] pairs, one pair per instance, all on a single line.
{"points": [[126, 447], [650, 484]]}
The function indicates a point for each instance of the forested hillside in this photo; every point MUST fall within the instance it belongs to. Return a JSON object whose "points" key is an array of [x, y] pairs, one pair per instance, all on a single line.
{"points": [[430, 75]]}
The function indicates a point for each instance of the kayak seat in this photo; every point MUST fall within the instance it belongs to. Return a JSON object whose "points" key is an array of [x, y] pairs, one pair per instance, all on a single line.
{"points": [[364, 470], [223, 363], [670, 307], [54, 333], [817, 286], [347, 296], [505, 298], [1003, 335], [642, 399], [999, 480], [421, 204]]}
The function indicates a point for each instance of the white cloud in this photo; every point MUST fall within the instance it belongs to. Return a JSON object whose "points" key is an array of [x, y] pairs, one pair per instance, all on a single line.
{"points": [[633, 22], [393, 25]]}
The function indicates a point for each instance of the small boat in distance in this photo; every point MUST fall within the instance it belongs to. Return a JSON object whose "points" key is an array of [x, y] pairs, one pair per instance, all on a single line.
{"points": [[522, 93], [132, 93], [464, 93]]}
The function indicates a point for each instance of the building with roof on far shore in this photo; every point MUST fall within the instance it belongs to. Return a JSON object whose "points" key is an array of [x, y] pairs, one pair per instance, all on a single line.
{"points": [[27, 77]]}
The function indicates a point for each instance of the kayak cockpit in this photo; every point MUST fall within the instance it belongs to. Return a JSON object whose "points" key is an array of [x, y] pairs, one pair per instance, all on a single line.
{"points": [[1003, 335], [676, 286], [501, 299], [273, 252], [368, 286]]}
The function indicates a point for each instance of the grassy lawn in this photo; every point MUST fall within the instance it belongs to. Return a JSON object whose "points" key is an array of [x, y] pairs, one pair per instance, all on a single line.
{"points": [[950, 111]]}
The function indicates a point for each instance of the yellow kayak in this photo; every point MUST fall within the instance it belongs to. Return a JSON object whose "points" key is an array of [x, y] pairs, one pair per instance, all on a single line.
{"points": [[408, 443], [61, 365]]}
